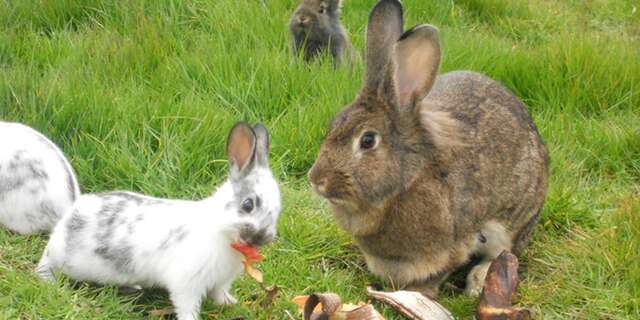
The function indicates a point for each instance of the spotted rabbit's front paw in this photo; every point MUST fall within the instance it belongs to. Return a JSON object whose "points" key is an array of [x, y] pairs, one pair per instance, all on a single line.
{"points": [[222, 297]]}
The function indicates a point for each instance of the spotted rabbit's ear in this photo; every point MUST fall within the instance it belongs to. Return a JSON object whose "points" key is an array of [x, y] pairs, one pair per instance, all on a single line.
{"points": [[383, 31], [262, 145], [241, 147], [416, 59]]}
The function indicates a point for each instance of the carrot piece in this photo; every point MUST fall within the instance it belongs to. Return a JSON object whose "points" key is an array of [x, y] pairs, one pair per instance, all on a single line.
{"points": [[251, 253]]}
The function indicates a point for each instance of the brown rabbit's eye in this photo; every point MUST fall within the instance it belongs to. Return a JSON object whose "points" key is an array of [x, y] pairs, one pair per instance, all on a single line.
{"points": [[368, 140], [247, 205]]}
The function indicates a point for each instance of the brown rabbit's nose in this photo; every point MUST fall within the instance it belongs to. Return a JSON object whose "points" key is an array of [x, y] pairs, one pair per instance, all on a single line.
{"points": [[303, 20], [318, 182], [321, 186]]}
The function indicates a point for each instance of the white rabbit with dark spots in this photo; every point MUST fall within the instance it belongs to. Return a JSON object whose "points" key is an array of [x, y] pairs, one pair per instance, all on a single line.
{"points": [[128, 239], [37, 183]]}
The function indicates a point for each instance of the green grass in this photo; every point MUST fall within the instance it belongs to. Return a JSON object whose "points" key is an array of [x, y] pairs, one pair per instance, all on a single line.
{"points": [[140, 95]]}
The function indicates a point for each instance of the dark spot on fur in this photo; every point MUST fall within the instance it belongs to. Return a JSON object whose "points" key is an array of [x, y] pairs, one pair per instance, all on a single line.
{"points": [[258, 202], [482, 238], [22, 171], [48, 211], [174, 236], [242, 190], [131, 226], [120, 255], [130, 197], [75, 225], [31, 218], [110, 218], [255, 237]]}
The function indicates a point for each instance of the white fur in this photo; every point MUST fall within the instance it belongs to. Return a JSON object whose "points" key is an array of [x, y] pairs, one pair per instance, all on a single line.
{"points": [[201, 263], [497, 239], [37, 184]]}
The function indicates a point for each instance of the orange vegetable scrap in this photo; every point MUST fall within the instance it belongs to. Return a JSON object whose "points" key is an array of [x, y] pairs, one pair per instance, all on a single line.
{"points": [[251, 255]]}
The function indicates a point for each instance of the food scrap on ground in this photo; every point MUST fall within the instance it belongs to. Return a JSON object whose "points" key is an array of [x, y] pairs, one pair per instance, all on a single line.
{"points": [[499, 291], [329, 306], [411, 305], [495, 303], [271, 293], [161, 312], [250, 254]]}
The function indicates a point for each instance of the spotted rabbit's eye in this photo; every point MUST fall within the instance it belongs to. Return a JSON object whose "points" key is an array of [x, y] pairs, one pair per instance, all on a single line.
{"points": [[247, 205], [368, 140]]}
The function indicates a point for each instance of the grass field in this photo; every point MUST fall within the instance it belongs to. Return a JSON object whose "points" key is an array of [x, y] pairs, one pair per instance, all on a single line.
{"points": [[140, 95]]}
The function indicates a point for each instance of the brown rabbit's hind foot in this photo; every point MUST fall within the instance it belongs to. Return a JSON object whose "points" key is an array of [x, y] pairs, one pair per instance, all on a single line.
{"points": [[490, 242]]}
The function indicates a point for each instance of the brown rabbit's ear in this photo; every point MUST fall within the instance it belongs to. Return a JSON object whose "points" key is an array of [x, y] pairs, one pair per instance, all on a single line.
{"points": [[241, 147], [334, 5], [416, 61], [384, 29]]}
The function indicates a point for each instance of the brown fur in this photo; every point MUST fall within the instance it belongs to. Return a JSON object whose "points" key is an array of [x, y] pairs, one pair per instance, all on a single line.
{"points": [[457, 158], [315, 28]]}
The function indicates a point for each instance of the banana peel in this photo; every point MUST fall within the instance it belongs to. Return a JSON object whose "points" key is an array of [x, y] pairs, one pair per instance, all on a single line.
{"points": [[328, 306], [412, 305]]}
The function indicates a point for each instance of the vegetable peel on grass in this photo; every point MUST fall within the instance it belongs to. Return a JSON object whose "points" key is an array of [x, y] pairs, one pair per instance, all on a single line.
{"points": [[499, 291], [250, 255], [329, 306], [412, 305]]}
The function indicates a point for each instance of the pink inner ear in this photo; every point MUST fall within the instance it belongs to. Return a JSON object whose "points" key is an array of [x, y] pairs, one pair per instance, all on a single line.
{"points": [[413, 75], [240, 146], [417, 59]]}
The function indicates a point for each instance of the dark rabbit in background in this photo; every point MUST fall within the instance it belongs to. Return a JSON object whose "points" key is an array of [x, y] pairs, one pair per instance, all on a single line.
{"points": [[315, 27], [427, 171]]}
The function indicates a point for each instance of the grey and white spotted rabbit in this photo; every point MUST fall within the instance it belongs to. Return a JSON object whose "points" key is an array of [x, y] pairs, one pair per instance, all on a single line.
{"points": [[427, 171], [37, 183], [129, 239], [315, 28]]}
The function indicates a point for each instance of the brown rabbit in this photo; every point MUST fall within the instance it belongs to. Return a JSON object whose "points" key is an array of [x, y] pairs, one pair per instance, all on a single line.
{"points": [[315, 27], [428, 171]]}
